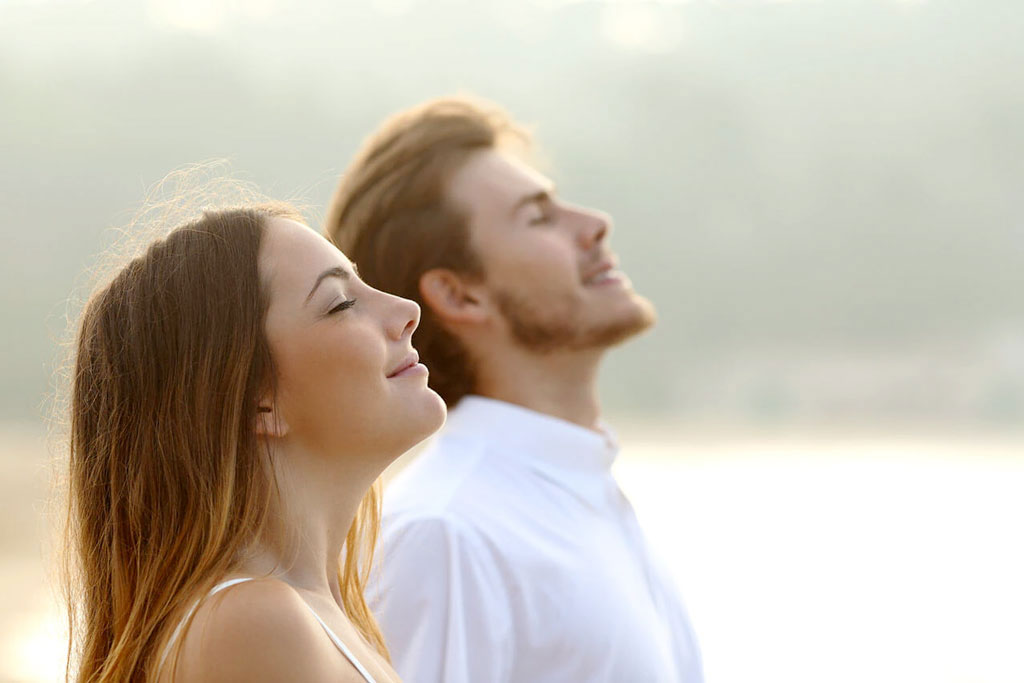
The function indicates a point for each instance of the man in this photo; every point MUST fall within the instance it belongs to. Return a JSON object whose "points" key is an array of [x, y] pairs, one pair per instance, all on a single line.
{"points": [[508, 551]]}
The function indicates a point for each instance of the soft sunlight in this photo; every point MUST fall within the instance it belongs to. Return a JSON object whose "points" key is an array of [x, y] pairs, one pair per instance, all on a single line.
{"points": [[208, 16], [883, 560], [36, 651], [806, 560], [645, 27]]}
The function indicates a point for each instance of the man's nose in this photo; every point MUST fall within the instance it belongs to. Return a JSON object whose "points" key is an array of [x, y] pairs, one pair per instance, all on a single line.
{"points": [[594, 227]]}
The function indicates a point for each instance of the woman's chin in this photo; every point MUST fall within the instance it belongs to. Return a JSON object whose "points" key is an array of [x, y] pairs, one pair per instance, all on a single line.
{"points": [[434, 414], [420, 421]]}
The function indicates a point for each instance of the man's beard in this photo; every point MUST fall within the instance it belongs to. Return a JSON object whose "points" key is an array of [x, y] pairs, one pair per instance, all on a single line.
{"points": [[546, 331]]}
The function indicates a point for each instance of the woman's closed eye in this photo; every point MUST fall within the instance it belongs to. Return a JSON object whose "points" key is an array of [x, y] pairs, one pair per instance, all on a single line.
{"points": [[349, 303]]}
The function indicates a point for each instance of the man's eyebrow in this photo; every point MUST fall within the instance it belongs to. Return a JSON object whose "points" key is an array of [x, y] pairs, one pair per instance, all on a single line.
{"points": [[336, 271], [534, 197]]}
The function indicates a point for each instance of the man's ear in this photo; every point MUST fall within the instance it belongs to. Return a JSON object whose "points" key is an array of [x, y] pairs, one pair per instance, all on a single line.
{"points": [[452, 297], [270, 422]]}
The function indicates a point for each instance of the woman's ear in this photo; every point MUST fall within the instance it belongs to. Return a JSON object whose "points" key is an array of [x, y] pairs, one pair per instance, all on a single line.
{"points": [[270, 423], [452, 297]]}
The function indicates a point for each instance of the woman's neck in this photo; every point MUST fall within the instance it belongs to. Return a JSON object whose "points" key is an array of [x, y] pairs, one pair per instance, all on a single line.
{"points": [[317, 502]]}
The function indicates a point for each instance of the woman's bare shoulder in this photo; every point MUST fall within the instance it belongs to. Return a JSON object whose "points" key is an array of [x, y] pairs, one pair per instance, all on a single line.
{"points": [[258, 631]]}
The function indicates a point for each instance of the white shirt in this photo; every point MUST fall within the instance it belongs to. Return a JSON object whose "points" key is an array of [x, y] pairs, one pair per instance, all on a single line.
{"points": [[509, 554]]}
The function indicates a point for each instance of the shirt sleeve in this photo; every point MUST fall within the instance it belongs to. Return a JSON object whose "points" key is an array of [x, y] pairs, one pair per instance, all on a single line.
{"points": [[442, 604], [685, 646]]}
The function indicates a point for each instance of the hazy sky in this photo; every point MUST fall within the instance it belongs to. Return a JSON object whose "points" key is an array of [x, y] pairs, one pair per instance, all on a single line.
{"points": [[801, 187]]}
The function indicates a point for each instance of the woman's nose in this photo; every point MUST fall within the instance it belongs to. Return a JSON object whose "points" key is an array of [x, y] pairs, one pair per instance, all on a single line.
{"points": [[404, 319]]}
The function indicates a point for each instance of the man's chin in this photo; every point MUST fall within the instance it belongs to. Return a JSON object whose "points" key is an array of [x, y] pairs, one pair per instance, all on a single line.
{"points": [[594, 326], [639, 318]]}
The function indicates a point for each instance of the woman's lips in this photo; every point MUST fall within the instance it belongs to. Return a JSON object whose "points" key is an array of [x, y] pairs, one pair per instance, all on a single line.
{"points": [[408, 366], [414, 370]]}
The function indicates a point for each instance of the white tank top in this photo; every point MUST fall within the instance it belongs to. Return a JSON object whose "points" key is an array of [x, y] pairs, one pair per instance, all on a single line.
{"points": [[330, 634]]}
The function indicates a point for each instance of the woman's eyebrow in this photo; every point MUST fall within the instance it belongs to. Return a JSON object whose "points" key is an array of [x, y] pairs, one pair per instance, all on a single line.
{"points": [[336, 271]]}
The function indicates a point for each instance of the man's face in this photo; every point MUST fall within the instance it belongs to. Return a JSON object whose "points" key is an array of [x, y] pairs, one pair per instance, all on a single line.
{"points": [[547, 265]]}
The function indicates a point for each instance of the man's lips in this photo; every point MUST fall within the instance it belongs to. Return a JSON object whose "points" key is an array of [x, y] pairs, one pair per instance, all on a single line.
{"points": [[407, 362], [598, 271]]}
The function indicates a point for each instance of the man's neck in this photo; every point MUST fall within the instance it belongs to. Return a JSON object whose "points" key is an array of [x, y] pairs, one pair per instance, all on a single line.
{"points": [[562, 384]]}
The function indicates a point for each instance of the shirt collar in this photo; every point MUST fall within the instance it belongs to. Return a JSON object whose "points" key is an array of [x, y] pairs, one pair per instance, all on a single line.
{"points": [[546, 442]]}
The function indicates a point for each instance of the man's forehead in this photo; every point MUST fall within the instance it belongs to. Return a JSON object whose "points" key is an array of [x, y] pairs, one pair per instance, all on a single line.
{"points": [[496, 176]]}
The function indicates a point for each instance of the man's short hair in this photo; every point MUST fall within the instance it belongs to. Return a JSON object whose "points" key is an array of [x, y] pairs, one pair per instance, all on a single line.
{"points": [[390, 215]]}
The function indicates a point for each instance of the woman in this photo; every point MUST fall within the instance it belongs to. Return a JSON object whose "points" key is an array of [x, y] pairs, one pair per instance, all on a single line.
{"points": [[237, 391]]}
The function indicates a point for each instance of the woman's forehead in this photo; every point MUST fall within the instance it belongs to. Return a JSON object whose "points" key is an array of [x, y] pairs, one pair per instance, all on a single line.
{"points": [[293, 253]]}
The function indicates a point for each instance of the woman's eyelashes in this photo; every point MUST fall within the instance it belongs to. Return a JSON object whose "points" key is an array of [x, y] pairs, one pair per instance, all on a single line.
{"points": [[348, 303]]}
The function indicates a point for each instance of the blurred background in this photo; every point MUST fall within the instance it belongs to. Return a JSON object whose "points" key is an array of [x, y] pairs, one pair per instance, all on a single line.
{"points": [[825, 433]]}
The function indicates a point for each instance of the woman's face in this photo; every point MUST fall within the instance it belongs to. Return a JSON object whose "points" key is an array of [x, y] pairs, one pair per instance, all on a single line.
{"points": [[348, 380]]}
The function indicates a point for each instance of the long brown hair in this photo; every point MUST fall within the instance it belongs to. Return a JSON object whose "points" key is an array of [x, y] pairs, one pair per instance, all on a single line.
{"points": [[168, 481], [390, 216]]}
